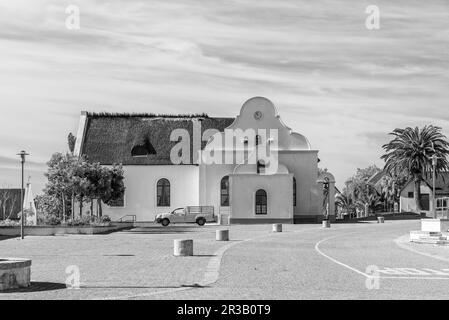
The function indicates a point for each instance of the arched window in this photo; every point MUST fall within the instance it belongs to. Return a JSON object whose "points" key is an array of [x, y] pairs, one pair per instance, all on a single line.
{"points": [[224, 192], [294, 192], [163, 193], [258, 140], [261, 202]]}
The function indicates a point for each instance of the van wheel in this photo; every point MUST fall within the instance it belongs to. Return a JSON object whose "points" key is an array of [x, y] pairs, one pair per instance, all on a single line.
{"points": [[165, 222], [201, 221]]}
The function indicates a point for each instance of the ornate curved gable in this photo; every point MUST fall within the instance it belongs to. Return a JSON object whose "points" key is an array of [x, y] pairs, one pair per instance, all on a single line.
{"points": [[261, 113]]}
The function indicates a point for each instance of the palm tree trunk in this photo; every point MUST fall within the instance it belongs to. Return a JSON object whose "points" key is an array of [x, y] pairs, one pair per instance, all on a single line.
{"points": [[417, 195]]}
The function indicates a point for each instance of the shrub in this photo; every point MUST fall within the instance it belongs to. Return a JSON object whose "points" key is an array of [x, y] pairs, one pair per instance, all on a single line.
{"points": [[105, 219], [48, 219], [9, 223]]}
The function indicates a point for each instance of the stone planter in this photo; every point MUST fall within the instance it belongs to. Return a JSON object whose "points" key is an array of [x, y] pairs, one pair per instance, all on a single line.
{"points": [[14, 273], [380, 219]]}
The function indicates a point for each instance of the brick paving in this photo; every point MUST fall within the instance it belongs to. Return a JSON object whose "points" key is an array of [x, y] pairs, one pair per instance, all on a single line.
{"points": [[126, 263]]}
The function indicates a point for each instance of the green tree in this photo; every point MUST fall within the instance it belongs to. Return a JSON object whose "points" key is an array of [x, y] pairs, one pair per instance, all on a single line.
{"points": [[71, 141], [411, 151], [344, 203]]}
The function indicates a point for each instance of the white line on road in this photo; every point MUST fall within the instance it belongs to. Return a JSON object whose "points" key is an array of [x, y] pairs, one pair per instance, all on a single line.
{"points": [[363, 273], [335, 260]]}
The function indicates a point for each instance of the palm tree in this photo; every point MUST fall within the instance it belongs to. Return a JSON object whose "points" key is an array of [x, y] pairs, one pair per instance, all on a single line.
{"points": [[344, 202], [411, 151], [388, 189], [370, 199]]}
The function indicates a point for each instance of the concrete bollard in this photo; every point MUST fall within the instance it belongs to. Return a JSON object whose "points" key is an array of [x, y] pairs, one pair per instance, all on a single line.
{"points": [[222, 235], [326, 224], [277, 227], [183, 247], [380, 219]]}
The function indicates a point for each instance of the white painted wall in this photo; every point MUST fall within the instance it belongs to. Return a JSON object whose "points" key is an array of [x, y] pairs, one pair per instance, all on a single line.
{"points": [[408, 204], [279, 196], [303, 165], [140, 194]]}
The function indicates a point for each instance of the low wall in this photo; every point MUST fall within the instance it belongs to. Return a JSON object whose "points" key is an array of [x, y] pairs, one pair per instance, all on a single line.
{"points": [[54, 230]]}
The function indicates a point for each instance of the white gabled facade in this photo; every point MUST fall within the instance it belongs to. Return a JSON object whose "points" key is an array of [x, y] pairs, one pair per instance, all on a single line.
{"points": [[252, 197]]}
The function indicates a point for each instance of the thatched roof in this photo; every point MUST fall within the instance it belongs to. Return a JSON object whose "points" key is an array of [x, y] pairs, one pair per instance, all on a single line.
{"points": [[114, 138]]}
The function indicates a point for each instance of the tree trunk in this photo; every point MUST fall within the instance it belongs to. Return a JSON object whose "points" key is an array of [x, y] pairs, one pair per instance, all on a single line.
{"points": [[63, 207], [91, 208], [100, 209], [81, 207], [73, 205], [417, 195]]}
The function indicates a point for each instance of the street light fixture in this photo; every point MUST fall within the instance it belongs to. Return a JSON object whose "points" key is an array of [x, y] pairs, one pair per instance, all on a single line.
{"points": [[22, 155]]}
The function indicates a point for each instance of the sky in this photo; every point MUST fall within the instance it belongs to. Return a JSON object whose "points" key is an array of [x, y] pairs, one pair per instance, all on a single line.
{"points": [[332, 79]]}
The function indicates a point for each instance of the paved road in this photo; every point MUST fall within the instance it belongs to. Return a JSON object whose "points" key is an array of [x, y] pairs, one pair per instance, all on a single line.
{"points": [[348, 261]]}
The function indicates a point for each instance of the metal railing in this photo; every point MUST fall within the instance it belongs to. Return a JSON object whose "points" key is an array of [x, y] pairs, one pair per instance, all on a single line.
{"points": [[133, 216]]}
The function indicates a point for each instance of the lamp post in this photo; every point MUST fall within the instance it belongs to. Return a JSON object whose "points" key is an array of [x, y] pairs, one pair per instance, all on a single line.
{"points": [[22, 155], [434, 165]]}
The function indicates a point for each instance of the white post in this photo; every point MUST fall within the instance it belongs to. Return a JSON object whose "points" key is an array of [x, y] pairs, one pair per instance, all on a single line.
{"points": [[222, 235], [183, 247], [277, 227]]}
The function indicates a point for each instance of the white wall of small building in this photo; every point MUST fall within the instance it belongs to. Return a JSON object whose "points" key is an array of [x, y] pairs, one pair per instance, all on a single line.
{"points": [[407, 204], [140, 194]]}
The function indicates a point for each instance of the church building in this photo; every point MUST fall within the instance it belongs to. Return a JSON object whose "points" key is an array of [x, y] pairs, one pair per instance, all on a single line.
{"points": [[252, 168]]}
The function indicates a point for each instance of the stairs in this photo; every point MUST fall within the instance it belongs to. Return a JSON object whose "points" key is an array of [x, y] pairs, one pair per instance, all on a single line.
{"points": [[429, 237]]}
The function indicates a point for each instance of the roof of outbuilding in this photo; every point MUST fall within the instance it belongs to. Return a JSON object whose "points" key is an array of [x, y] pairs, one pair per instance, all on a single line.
{"points": [[110, 138], [441, 183]]}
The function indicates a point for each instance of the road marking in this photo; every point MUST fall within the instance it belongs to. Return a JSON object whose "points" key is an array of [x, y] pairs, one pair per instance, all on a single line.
{"points": [[396, 271], [317, 249]]}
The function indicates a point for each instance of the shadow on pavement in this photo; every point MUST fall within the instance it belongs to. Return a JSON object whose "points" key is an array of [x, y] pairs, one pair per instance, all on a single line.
{"points": [[37, 287], [195, 285], [6, 237]]}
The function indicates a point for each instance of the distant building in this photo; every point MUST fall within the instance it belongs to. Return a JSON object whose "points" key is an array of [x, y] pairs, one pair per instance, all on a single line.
{"points": [[240, 192], [407, 200]]}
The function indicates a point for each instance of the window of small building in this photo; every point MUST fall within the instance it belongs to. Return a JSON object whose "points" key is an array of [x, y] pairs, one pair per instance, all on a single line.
{"points": [[410, 194], [163, 193], [224, 192], [261, 202]]}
